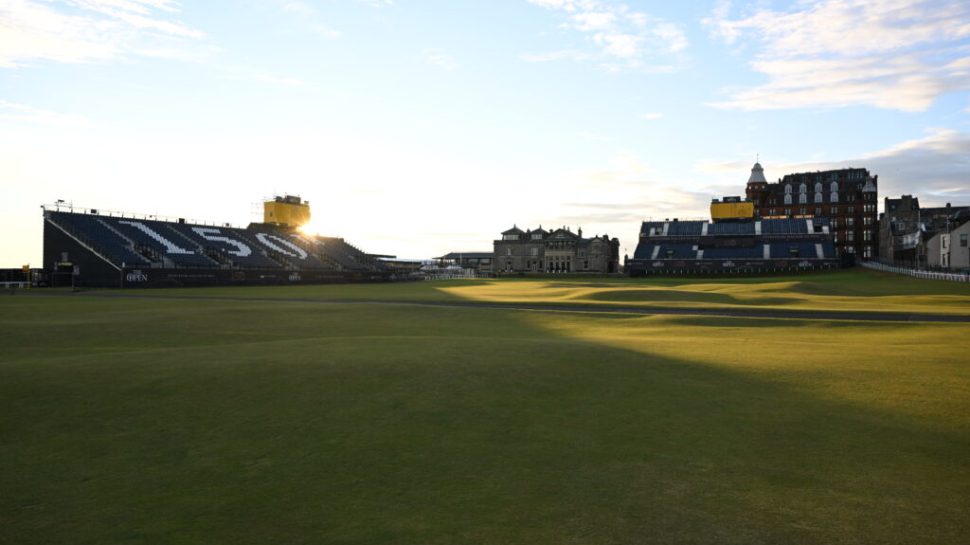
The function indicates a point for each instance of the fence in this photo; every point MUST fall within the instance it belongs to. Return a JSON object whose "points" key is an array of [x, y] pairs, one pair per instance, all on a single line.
{"points": [[925, 275]]}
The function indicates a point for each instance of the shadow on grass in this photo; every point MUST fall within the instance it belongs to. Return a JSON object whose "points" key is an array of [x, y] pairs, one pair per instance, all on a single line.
{"points": [[390, 425], [658, 295]]}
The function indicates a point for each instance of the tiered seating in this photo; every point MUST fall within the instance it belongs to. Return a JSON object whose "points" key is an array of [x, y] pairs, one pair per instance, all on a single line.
{"points": [[677, 251], [784, 227], [256, 257], [730, 228], [644, 251], [92, 232], [142, 242], [685, 228], [793, 250], [303, 259], [656, 226], [175, 249], [754, 252]]}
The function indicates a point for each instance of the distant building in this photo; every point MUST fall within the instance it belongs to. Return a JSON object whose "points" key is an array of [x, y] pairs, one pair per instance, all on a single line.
{"points": [[847, 196], [480, 262], [557, 251], [912, 236], [950, 249]]}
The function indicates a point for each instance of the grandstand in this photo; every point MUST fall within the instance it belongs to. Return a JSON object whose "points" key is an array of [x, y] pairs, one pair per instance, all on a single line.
{"points": [[733, 247], [109, 250]]}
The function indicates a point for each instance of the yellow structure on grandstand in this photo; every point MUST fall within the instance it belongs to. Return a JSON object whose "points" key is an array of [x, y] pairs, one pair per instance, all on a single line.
{"points": [[287, 211], [731, 208]]}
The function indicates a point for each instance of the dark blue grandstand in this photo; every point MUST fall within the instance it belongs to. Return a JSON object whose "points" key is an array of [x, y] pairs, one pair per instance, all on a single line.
{"points": [[733, 247], [91, 249]]}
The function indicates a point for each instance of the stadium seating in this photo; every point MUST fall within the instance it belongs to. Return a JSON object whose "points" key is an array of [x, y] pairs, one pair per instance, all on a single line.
{"points": [[685, 228], [784, 227], [153, 243], [230, 244], [93, 232], [157, 237], [689, 247], [754, 252], [730, 228]]}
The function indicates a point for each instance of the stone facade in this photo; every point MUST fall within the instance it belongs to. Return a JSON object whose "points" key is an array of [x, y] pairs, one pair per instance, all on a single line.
{"points": [[914, 236], [557, 251], [847, 196]]}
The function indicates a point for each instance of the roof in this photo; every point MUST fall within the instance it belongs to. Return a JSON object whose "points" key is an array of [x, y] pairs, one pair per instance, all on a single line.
{"points": [[466, 255], [757, 174], [513, 231]]}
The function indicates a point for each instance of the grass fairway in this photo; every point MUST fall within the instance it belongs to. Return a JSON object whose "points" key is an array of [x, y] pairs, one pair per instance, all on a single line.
{"points": [[255, 421]]}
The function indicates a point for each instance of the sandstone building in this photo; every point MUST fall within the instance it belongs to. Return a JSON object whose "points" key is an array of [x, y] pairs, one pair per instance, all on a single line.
{"points": [[555, 251]]}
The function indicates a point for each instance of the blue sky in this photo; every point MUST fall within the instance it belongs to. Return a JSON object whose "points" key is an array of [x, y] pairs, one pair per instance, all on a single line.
{"points": [[421, 127]]}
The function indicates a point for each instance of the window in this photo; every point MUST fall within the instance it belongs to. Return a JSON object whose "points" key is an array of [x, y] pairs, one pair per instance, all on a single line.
{"points": [[508, 251], [963, 240], [787, 198], [535, 252], [802, 211], [867, 251], [802, 188], [788, 190], [818, 197], [850, 221], [850, 236], [867, 235], [788, 211], [867, 220], [834, 197], [818, 210], [818, 187], [834, 210], [834, 187], [537, 236], [802, 198]]}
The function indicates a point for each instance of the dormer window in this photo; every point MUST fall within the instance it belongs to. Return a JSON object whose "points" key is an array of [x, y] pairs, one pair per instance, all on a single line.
{"points": [[510, 237], [802, 188], [818, 187], [536, 236]]}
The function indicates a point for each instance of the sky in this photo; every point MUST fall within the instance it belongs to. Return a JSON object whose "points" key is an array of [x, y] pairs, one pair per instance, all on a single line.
{"points": [[417, 128]]}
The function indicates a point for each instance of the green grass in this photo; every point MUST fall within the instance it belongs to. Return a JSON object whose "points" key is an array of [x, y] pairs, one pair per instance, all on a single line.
{"points": [[850, 290], [221, 421]]}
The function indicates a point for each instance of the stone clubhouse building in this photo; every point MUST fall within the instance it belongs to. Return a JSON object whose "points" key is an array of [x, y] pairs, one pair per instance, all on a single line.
{"points": [[555, 251]]}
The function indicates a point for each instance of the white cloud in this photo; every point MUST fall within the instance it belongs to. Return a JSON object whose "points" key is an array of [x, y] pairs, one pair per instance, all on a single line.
{"points": [[621, 38], [309, 18], [935, 167], [22, 113], [893, 54], [651, 116], [80, 31], [440, 59]]}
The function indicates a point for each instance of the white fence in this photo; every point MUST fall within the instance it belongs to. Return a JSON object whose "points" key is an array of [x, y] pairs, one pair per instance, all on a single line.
{"points": [[926, 275]]}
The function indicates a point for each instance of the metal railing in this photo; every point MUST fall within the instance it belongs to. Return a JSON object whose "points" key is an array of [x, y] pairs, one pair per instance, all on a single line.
{"points": [[925, 275]]}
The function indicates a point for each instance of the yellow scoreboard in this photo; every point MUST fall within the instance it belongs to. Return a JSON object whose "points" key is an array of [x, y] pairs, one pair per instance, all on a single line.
{"points": [[732, 210], [289, 211]]}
